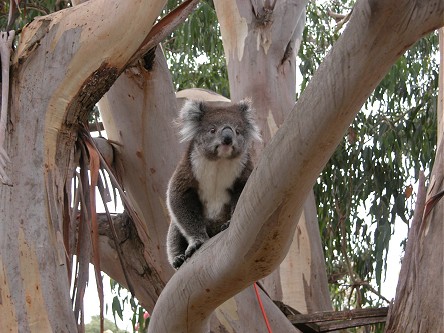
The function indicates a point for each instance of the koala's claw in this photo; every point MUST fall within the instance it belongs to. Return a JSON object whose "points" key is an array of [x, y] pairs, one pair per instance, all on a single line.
{"points": [[181, 258], [225, 225], [178, 261]]}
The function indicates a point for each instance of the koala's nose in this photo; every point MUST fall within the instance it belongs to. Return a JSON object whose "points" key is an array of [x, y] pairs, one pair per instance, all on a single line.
{"points": [[227, 135]]}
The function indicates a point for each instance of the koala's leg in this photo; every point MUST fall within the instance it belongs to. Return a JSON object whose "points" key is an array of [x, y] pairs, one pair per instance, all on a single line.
{"points": [[176, 246], [194, 246], [189, 220]]}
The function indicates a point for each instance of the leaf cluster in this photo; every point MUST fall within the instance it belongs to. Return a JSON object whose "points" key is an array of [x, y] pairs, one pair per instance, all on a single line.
{"points": [[121, 299], [367, 185], [195, 52]]}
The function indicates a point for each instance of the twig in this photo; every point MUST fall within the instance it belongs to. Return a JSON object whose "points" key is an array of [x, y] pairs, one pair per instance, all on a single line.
{"points": [[340, 19]]}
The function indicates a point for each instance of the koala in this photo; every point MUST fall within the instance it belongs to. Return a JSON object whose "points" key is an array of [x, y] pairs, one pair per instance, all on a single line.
{"points": [[207, 182]]}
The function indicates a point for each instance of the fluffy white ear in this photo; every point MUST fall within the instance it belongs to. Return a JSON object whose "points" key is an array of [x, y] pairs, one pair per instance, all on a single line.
{"points": [[248, 112], [189, 118]]}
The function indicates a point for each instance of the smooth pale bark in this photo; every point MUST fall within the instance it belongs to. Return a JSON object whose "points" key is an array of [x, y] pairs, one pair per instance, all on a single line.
{"points": [[242, 313], [302, 274], [262, 65], [419, 301], [138, 113], [419, 305], [263, 224], [260, 45], [63, 64]]}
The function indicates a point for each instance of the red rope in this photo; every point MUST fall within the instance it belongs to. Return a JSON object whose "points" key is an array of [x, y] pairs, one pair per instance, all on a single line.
{"points": [[262, 308]]}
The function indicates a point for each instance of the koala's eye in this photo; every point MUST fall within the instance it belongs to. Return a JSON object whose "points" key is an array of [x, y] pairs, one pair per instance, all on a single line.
{"points": [[212, 130], [237, 131]]}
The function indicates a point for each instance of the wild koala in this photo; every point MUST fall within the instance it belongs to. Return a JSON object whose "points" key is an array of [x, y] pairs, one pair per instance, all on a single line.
{"points": [[205, 187]]}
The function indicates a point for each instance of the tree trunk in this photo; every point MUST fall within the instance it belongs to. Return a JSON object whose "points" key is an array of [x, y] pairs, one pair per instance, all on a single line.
{"points": [[63, 64], [266, 72], [419, 305], [263, 224]]}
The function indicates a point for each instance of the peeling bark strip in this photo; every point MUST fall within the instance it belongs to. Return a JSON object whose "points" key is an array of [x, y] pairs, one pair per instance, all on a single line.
{"points": [[263, 224], [6, 39]]}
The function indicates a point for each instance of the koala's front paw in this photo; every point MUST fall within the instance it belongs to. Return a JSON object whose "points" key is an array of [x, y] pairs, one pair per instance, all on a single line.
{"points": [[225, 225], [178, 261], [193, 248]]}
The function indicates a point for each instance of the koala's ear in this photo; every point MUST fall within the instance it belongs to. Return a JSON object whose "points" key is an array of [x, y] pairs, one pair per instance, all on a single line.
{"points": [[245, 105], [246, 108], [189, 119]]}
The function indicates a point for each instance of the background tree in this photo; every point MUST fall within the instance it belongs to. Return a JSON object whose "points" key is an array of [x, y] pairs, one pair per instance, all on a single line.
{"points": [[146, 94]]}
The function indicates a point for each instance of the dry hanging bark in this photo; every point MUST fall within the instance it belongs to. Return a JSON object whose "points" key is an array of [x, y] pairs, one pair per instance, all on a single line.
{"points": [[378, 32], [5, 51]]}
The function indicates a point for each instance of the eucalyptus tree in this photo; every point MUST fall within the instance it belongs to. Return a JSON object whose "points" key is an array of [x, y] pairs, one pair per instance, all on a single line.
{"points": [[65, 62]]}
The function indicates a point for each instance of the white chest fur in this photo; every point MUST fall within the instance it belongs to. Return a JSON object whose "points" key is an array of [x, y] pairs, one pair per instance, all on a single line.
{"points": [[214, 178]]}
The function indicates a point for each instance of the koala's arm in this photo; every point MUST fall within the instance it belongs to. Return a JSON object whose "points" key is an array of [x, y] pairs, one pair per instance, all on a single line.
{"points": [[188, 216], [187, 208]]}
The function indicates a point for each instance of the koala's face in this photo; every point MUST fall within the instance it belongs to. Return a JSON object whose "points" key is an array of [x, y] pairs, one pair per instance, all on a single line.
{"points": [[219, 130], [221, 134]]}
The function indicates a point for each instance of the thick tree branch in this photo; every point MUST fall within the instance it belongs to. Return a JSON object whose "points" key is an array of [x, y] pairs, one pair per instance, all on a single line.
{"points": [[262, 226], [148, 286]]}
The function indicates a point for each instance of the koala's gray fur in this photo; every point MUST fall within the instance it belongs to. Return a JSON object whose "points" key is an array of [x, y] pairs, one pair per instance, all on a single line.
{"points": [[205, 187]]}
